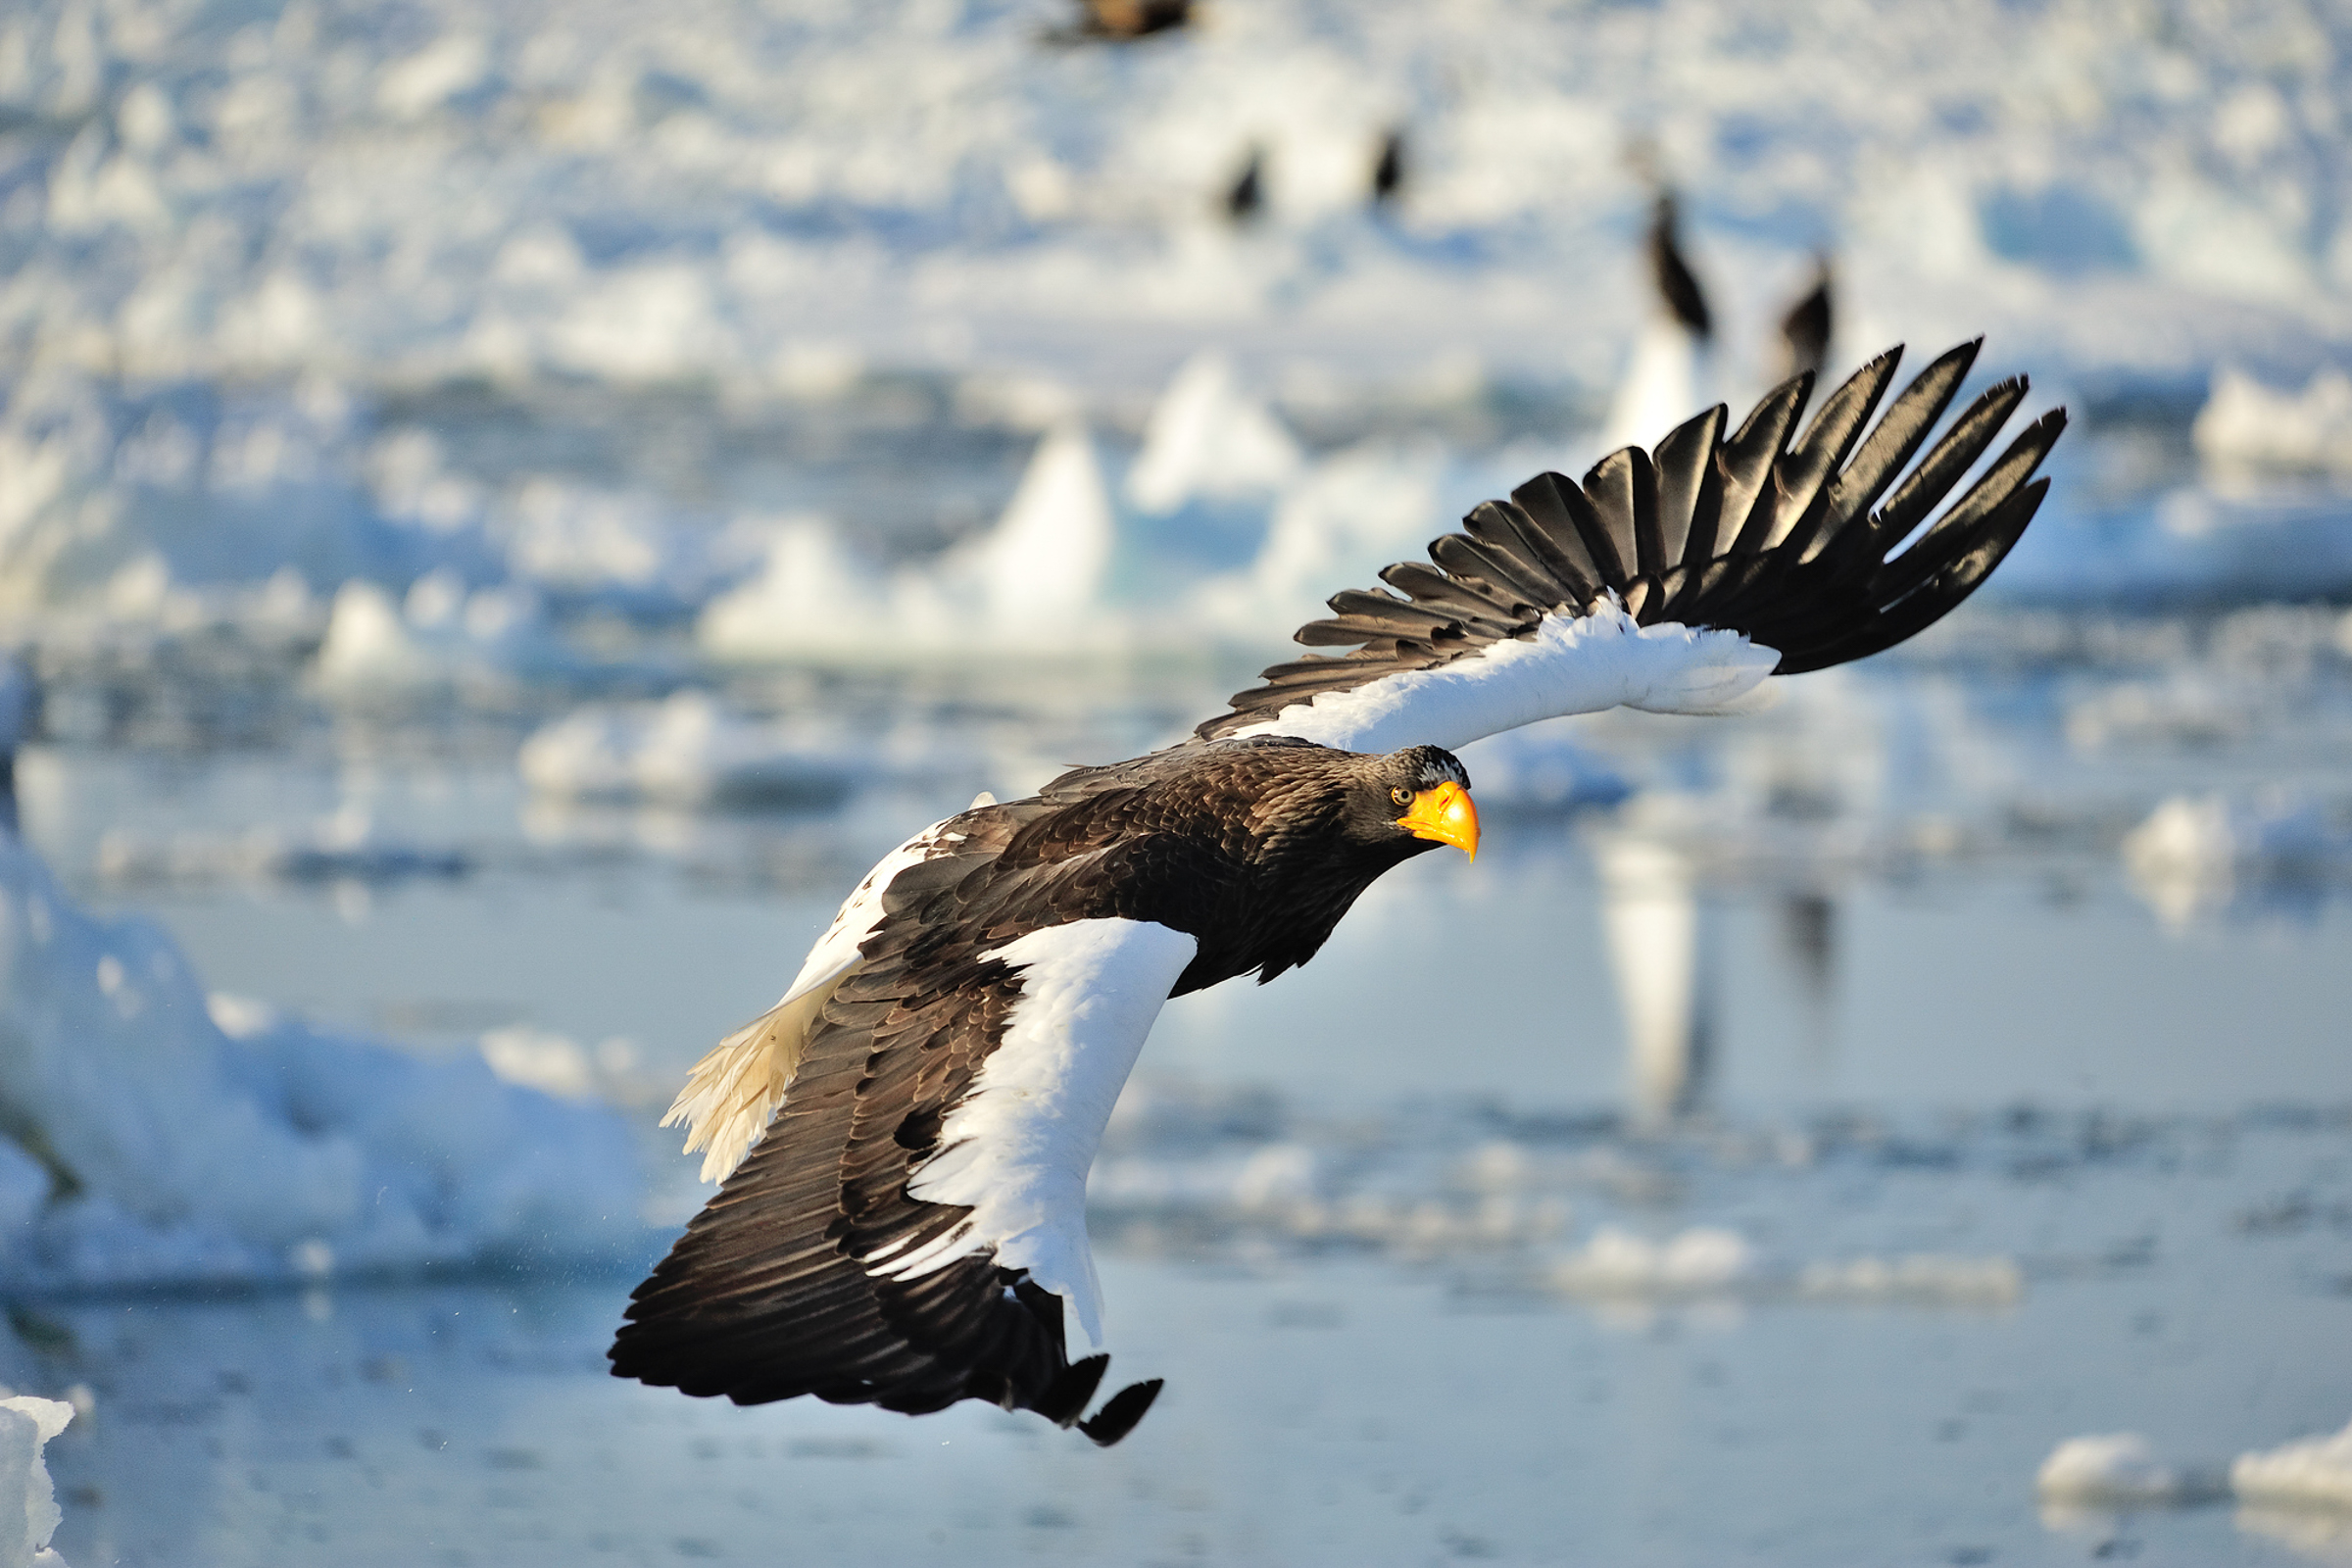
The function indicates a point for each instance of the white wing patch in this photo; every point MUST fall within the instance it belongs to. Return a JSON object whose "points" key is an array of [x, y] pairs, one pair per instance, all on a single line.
{"points": [[735, 1091], [1016, 1150], [1572, 665]]}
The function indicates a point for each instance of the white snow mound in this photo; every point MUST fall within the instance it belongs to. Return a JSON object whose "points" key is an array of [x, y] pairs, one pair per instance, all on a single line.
{"points": [[147, 1141], [686, 751], [2120, 1470], [2245, 421], [29, 1510], [2313, 1472]]}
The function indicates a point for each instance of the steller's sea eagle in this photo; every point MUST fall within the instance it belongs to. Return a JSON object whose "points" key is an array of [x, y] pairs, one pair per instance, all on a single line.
{"points": [[903, 1142]]}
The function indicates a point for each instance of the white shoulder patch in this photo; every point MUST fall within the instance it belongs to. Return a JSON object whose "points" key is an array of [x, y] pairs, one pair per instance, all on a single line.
{"points": [[733, 1092], [1018, 1149], [1572, 665]]}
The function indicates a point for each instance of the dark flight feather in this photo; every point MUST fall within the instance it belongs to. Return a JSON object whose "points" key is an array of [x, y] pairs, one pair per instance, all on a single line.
{"points": [[1757, 535]]}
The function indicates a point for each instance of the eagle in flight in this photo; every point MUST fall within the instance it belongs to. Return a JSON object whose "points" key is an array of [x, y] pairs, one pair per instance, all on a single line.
{"points": [[903, 1140]]}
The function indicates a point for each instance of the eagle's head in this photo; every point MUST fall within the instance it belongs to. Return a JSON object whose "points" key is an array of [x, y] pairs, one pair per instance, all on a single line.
{"points": [[1421, 793]]}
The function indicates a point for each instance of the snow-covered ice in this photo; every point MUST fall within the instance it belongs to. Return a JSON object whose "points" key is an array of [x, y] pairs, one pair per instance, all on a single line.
{"points": [[252, 257], [689, 750], [2122, 1470], [347, 846], [646, 200], [2311, 1473], [437, 636], [29, 1510], [2247, 422], [1699, 1262], [156, 1135], [2191, 850], [1208, 441]]}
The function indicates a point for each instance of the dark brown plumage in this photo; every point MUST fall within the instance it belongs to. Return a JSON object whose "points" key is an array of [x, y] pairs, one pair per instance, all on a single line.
{"points": [[1255, 848]]}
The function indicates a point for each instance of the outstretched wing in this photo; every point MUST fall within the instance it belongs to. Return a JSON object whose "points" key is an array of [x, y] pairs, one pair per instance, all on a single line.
{"points": [[1674, 579], [907, 1232]]}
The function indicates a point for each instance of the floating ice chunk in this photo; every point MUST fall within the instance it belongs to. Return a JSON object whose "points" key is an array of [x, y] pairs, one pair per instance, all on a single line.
{"points": [[1209, 440], [114, 501], [2121, 1471], [810, 598], [601, 545], [1703, 1260], [2245, 421], [2181, 712], [430, 77], [345, 846], [1660, 387], [1039, 581], [175, 1150], [687, 751], [1275, 1176], [29, 1510], [369, 644], [440, 636], [552, 1063], [2190, 854], [813, 596], [1041, 569], [1342, 521], [2310, 1473]]}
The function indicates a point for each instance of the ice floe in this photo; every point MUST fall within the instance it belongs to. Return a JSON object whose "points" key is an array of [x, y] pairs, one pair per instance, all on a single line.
{"points": [[2124, 1471], [346, 846], [1714, 1261], [2245, 421], [2310, 1473], [690, 750], [1209, 440], [439, 636], [153, 1136], [2121, 1470], [208, 200], [1701, 1260], [29, 1510], [2193, 852]]}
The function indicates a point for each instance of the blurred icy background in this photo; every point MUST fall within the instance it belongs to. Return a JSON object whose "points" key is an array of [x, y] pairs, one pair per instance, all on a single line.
{"points": [[506, 510]]}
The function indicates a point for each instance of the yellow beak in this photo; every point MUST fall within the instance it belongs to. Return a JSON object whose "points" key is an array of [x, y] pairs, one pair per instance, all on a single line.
{"points": [[1446, 814]]}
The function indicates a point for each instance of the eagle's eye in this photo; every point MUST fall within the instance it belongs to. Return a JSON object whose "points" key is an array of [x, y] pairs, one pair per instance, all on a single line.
{"points": [[1401, 796]]}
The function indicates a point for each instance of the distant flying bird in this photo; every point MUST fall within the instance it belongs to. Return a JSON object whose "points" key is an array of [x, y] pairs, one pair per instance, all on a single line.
{"points": [[904, 1140], [1388, 172], [1677, 286], [1805, 330], [1247, 194], [1670, 356]]}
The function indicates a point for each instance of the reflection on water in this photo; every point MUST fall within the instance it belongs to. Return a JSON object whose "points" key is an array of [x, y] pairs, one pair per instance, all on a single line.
{"points": [[1657, 940]]}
